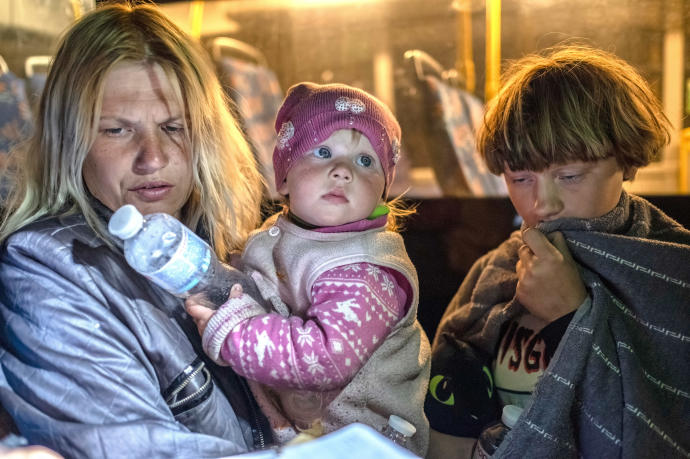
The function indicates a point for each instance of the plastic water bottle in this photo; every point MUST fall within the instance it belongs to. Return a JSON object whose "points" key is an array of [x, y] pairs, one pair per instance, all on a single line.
{"points": [[169, 254], [398, 430], [491, 437]]}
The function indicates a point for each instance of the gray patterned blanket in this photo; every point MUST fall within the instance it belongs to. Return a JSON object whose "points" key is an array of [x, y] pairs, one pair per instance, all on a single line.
{"points": [[619, 382]]}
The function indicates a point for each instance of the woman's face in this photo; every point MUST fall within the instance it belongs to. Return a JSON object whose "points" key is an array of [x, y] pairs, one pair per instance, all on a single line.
{"points": [[140, 156]]}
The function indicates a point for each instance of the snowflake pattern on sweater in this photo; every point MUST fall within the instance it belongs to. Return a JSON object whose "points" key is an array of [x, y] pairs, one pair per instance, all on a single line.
{"points": [[353, 309]]}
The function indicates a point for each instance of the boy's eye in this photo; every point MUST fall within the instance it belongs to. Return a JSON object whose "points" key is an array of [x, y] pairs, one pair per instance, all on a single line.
{"points": [[322, 152], [365, 160], [571, 178]]}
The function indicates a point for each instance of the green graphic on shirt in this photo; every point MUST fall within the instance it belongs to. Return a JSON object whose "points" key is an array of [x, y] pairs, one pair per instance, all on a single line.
{"points": [[438, 387]]}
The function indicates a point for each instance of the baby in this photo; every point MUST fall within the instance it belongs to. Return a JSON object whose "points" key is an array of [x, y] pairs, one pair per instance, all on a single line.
{"points": [[343, 343]]}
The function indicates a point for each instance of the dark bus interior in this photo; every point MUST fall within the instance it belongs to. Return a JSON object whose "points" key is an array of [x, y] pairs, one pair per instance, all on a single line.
{"points": [[435, 62]]}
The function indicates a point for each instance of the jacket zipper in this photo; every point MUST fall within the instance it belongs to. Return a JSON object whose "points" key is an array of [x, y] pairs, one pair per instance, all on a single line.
{"points": [[257, 422]]}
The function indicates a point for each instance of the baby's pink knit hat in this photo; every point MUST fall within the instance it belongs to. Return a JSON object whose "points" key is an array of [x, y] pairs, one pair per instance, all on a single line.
{"points": [[311, 113]]}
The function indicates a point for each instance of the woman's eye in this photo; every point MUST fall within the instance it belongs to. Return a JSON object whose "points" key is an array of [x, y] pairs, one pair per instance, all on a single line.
{"points": [[113, 131], [365, 160], [172, 128], [322, 152]]}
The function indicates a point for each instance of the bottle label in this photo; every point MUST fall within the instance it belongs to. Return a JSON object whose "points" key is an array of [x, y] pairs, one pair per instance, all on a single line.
{"points": [[186, 267]]}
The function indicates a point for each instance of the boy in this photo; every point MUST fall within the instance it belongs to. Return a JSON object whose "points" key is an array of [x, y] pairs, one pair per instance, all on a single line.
{"points": [[579, 308]]}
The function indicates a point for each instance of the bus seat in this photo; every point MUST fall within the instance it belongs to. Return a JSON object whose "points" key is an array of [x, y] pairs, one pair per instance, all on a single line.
{"points": [[447, 127], [36, 70], [414, 119], [254, 88], [456, 116], [15, 119]]}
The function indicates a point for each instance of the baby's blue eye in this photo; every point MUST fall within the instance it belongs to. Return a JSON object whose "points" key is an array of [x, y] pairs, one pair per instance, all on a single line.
{"points": [[365, 160], [322, 152]]}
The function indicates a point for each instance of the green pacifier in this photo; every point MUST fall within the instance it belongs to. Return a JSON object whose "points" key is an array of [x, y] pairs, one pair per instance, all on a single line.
{"points": [[380, 210]]}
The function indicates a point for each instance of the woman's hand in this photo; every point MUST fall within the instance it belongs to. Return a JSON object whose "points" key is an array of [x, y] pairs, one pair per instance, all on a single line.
{"points": [[195, 305], [549, 284], [29, 452]]}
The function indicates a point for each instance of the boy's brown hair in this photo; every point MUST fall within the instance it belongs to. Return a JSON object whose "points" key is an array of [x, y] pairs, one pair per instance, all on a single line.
{"points": [[573, 103]]}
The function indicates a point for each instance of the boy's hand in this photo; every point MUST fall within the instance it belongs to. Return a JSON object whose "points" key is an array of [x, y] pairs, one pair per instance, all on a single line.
{"points": [[197, 307], [549, 284]]}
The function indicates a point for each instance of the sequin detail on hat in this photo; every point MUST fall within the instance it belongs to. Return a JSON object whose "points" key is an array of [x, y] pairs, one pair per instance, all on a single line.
{"points": [[356, 106], [287, 130], [395, 147]]}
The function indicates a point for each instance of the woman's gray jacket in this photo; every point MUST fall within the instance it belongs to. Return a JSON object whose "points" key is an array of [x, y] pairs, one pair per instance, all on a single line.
{"points": [[98, 362]]}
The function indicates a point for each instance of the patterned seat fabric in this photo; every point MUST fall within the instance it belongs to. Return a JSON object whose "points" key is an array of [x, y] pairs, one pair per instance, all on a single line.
{"points": [[455, 117], [257, 94], [15, 121], [35, 85], [36, 70]]}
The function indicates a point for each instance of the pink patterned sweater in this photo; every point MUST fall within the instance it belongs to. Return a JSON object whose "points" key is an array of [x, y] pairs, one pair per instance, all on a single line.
{"points": [[342, 344], [313, 350], [315, 353]]}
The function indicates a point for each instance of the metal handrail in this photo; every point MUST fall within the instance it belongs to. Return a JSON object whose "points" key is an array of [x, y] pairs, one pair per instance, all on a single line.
{"points": [[220, 43], [36, 61]]}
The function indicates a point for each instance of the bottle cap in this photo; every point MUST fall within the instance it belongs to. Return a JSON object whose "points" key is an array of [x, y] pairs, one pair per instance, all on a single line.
{"points": [[125, 222], [401, 425], [511, 413]]}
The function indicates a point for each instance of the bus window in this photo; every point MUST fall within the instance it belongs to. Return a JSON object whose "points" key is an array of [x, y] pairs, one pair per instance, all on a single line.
{"points": [[364, 43], [434, 62]]}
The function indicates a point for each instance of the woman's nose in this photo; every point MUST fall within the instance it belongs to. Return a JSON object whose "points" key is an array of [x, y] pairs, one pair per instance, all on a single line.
{"points": [[152, 155], [548, 203], [341, 171]]}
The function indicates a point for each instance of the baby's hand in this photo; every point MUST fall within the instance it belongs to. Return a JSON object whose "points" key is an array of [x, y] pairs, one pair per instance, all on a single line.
{"points": [[236, 291], [196, 307]]}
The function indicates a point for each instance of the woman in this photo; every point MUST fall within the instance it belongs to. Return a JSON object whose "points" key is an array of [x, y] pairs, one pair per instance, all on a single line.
{"points": [[96, 361]]}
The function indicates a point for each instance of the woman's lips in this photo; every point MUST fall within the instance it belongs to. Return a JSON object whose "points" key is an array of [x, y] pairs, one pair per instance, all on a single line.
{"points": [[151, 192]]}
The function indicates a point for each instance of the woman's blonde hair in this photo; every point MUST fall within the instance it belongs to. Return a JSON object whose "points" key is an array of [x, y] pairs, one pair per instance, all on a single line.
{"points": [[574, 103], [227, 187]]}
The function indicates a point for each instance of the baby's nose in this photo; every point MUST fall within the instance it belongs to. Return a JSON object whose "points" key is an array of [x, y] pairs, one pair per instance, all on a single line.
{"points": [[341, 172]]}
